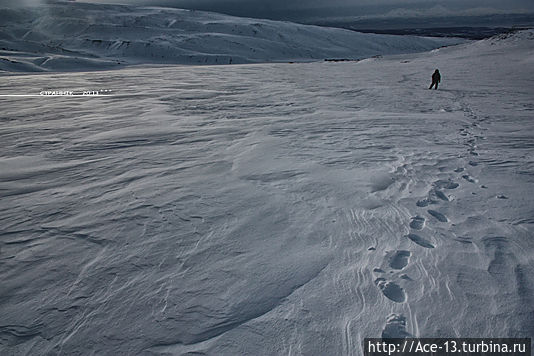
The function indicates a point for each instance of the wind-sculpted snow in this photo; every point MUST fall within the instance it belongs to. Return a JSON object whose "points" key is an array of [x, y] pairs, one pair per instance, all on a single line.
{"points": [[81, 36], [269, 209]]}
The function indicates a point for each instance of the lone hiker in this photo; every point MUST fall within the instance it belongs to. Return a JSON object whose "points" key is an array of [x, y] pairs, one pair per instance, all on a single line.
{"points": [[436, 78]]}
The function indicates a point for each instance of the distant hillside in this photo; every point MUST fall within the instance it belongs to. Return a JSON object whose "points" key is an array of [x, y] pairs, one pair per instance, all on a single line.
{"points": [[468, 26], [68, 36]]}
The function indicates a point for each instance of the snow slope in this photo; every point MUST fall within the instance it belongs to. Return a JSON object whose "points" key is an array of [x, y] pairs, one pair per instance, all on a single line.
{"points": [[76, 36], [269, 209]]}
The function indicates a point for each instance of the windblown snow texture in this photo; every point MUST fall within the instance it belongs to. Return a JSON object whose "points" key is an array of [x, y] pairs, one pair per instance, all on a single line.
{"points": [[82, 36], [269, 209]]}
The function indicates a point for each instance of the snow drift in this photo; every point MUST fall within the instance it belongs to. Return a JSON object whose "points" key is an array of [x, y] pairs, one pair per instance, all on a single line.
{"points": [[269, 209], [78, 36]]}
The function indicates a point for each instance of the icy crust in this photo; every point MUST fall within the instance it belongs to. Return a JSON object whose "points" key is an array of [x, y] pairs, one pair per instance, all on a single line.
{"points": [[80, 36]]}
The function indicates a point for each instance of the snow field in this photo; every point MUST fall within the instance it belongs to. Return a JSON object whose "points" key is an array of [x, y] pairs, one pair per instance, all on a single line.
{"points": [[269, 209]]}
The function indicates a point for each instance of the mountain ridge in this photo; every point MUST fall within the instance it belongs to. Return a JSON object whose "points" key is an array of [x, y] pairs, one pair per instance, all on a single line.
{"points": [[72, 36]]}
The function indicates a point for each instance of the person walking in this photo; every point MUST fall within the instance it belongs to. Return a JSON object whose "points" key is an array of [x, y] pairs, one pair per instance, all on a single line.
{"points": [[436, 78]]}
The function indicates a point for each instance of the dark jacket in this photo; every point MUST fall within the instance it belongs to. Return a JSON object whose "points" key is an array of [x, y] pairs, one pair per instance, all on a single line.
{"points": [[436, 77]]}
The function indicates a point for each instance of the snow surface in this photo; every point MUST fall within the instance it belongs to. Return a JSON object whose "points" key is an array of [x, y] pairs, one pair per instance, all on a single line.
{"points": [[80, 36], [269, 209]]}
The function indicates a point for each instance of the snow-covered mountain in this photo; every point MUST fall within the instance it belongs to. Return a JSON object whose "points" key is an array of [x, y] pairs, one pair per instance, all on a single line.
{"points": [[269, 209], [67, 36]]}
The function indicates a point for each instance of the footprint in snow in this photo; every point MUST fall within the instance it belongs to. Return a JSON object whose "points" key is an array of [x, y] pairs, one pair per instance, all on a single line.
{"points": [[447, 184], [417, 223], [420, 241], [399, 259], [395, 327], [424, 202], [391, 290], [441, 195], [464, 239], [438, 215], [469, 178]]}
